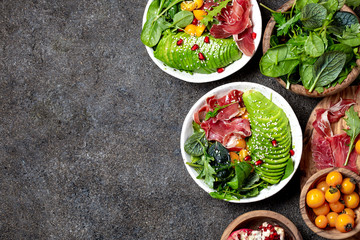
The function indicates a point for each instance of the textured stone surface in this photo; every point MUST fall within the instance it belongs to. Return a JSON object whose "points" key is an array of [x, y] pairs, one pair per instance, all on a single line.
{"points": [[90, 130]]}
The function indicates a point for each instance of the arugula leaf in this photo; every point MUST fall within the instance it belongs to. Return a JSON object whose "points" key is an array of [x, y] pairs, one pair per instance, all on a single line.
{"points": [[353, 3], [214, 12], [211, 114], [283, 28], [353, 122], [208, 172]]}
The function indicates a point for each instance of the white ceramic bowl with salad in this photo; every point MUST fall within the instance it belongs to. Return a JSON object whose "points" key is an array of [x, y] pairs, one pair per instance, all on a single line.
{"points": [[228, 70], [277, 99]]}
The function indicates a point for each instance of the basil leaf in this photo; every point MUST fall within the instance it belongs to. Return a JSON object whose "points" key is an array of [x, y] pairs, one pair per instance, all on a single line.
{"points": [[300, 4], [242, 171], [183, 18], [195, 144], [343, 48], [151, 32], [327, 68], [289, 169], [313, 15], [219, 153], [278, 61], [314, 45]]}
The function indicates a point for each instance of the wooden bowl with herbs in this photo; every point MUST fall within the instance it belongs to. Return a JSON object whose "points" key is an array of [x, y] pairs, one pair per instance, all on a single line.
{"points": [[309, 54]]}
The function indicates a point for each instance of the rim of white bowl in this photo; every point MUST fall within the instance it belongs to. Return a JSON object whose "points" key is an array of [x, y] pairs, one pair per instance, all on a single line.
{"points": [[296, 133], [230, 69]]}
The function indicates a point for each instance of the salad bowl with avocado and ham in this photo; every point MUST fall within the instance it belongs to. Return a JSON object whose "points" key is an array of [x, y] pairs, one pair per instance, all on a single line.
{"points": [[241, 142], [201, 40]]}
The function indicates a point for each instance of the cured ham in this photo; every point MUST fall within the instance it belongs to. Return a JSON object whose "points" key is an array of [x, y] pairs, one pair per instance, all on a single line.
{"points": [[329, 150], [321, 151], [235, 20], [219, 129], [227, 127]]}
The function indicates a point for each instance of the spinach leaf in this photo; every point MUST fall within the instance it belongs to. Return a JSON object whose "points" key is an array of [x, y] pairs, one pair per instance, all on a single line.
{"points": [[343, 48], [313, 15], [151, 32], [278, 61], [183, 18], [300, 4], [314, 45], [330, 5], [306, 74], [242, 171], [288, 169], [196, 127], [196, 144], [327, 68], [251, 180], [283, 28], [153, 9], [219, 153]]}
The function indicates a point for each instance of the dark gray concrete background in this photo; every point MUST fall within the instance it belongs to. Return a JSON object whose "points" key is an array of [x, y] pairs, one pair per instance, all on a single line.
{"points": [[90, 129]]}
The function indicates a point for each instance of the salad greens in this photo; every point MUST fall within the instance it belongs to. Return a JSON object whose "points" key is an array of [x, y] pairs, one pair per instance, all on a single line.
{"points": [[314, 44]]}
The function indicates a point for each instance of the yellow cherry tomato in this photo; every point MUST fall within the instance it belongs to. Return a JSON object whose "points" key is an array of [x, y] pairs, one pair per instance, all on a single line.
{"points": [[315, 198], [190, 29], [241, 143], [348, 185], [332, 216], [357, 146], [351, 200], [350, 212], [200, 29], [188, 6], [321, 221], [322, 210], [332, 195], [243, 153], [199, 14], [234, 157], [337, 206], [334, 178], [322, 186], [344, 223]]}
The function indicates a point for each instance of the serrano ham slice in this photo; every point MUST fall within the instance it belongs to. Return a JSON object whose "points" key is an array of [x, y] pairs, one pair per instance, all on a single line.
{"points": [[321, 151]]}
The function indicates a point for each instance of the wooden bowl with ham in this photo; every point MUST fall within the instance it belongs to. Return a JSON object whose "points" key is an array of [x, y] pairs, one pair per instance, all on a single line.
{"points": [[309, 216], [298, 88]]}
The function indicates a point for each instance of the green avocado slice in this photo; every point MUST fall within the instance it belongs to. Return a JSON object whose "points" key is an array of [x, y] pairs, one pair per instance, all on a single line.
{"points": [[218, 52], [268, 122]]}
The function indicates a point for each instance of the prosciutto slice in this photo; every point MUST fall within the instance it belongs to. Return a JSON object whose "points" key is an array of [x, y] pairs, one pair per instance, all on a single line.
{"points": [[218, 130], [235, 21], [329, 150]]}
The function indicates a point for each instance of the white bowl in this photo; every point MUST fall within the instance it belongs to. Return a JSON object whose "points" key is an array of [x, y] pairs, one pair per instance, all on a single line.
{"points": [[297, 137], [230, 69]]}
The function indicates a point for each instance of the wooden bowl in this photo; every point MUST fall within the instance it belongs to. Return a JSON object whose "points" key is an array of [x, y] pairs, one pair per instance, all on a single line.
{"points": [[308, 214], [254, 219], [298, 88]]}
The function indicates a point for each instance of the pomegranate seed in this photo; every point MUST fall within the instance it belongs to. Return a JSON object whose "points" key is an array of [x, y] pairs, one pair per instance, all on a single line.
{"points": [[220, 70], [180, 30], [253, 35], [195, 47], [179, 42], [207, 39], [195, 21], [201, 56], [247, 158], [258, 162], [274, 143], [292, 152]]}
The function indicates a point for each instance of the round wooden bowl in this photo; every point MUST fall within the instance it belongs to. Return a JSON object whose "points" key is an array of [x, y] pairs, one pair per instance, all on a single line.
{"points": [[254, 219], [298, 88], [308, 214]]}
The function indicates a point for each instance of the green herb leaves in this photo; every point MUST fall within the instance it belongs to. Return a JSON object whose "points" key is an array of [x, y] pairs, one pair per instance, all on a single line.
{"points": [[196, 144], [183, 18], [214, 12], [353, 122], [313, 15]]}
